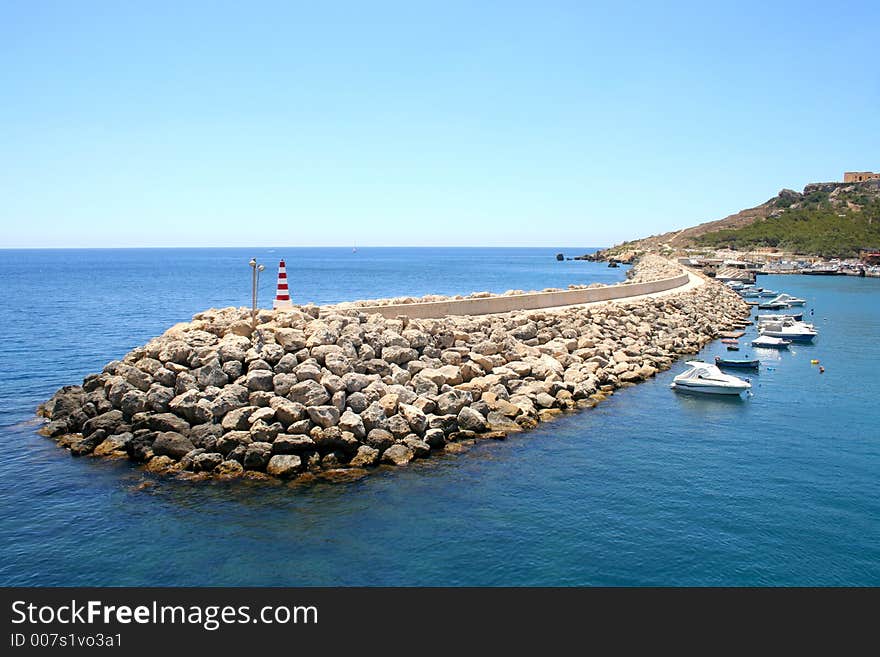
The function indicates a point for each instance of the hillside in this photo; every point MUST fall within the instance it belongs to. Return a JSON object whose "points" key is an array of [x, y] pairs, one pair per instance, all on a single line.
{"points": [[826, 219]]}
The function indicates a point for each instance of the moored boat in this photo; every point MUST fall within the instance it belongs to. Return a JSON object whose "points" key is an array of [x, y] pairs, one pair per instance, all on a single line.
{"points": [[706, 378], [767, 342], [740, 363], [788, 300], [794, 331], [772, 305], [780, 317]]}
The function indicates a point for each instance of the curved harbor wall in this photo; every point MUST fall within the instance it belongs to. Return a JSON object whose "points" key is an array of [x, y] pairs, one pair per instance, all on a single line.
{"points": [[533, 301], [334, 393]]}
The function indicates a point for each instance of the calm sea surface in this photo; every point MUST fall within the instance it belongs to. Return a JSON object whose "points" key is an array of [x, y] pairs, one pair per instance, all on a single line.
{"points": [[651, 487]]}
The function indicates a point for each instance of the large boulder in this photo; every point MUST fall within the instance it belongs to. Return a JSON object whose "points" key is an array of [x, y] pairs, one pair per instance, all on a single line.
{"points": [[450, 403], [175, 351], [88, 444], [471, 420], [309, 370], [106, 421], [237, 420], [260, 380], [158, 398], [355, 381], [324, 416], [206, 435], [173, 444], [420, 449], [287, 412], [397, 455], [417, 420], [211, 375], [284, 465], [133, 402], [206, 462], [352, 422], [293, 444], [113, 445], [380, 439], [399, 355], [229, 442], [231, 397], [374, 417], [365, 456], [309, 393], [257, 456]]}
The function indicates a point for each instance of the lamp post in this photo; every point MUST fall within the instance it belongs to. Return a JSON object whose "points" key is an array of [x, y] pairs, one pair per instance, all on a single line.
{"points": [[255, 281]]}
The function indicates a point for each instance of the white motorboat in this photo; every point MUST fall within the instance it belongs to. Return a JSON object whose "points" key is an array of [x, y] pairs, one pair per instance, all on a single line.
{"points": [[769, 293], [751, 293], [788, 330], [785, 320], [788, 300], [708, 379], [766, 342]]}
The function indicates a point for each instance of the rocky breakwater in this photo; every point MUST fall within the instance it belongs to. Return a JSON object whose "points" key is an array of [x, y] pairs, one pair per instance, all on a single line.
{"points": [[333, 393]]}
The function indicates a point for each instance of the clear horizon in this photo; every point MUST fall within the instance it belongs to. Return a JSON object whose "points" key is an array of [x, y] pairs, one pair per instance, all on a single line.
{"points": [[516, 125]]}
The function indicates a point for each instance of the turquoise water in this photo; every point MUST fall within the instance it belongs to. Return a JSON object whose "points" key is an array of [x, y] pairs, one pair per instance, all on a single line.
{"points": [[651, 487]]}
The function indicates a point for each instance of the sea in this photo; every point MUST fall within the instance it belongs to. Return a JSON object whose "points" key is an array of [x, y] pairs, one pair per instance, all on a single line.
{"points": [[650, 488]]}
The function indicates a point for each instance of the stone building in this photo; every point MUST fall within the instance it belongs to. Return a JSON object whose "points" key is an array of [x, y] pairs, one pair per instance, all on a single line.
{"points": [[860, 176]]}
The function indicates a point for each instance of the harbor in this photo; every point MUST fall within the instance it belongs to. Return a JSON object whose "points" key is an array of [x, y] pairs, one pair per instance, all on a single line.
{"points": [[773, 332], [306, 392], [759, 485]]}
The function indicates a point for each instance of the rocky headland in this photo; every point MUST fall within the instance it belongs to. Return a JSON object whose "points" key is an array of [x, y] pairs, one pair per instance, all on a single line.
{"points": [[331, 392]]}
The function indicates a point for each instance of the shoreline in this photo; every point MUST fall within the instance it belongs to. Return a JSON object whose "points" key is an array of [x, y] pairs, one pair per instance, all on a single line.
{"points": [[333, 392]]}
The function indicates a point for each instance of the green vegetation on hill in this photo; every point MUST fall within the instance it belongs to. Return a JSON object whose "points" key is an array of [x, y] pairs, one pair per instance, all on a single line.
{"points": [[829, 223]]}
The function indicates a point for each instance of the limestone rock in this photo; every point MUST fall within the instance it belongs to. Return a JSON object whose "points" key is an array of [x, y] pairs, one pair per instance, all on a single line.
{"points": [[284, 465], [397, 455], [170, 443], [365, 457], [471, 420]]}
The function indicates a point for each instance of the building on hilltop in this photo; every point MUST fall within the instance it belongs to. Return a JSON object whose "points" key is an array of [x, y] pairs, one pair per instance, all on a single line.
{"points": [[860, 176], [870, 256]]}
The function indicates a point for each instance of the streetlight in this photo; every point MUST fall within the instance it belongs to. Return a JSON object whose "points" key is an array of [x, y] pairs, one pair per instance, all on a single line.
{"points": [[256, 279]]}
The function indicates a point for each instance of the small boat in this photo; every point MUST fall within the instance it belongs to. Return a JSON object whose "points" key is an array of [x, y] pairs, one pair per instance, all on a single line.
{"points": [[706, 378], [733, 347], [769, 293], [772, 305], [794, 331], [788, 300], [779, 318], [822, 270], [767, 342], [741, 363], [785, 321]]}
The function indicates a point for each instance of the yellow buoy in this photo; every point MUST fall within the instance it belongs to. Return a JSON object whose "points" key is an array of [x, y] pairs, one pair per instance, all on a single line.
{"points": [[814, 361]]}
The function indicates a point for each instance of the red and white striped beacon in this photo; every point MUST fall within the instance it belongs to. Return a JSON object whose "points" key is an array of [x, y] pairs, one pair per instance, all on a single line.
{"points": [[282, 295]]}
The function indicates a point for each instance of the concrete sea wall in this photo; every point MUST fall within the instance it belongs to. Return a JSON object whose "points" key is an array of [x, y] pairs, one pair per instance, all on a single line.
{"points": [[337, 392], [532, 301]]}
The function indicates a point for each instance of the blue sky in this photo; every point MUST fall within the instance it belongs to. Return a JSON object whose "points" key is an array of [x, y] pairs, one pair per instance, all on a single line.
{"points": [[417, 123]]}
